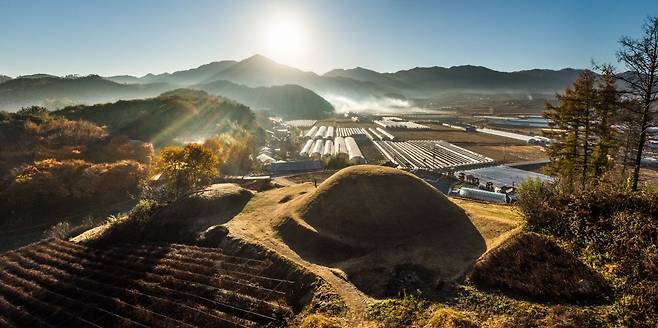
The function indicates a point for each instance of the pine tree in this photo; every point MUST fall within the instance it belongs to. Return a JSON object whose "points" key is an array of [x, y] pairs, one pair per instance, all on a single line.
{"points": [[606, 110], [583, 135]]}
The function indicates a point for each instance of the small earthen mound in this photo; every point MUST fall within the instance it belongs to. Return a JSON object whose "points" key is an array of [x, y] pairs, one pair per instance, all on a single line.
{"points": [[534, 266], [223, 199], [182, 221]]}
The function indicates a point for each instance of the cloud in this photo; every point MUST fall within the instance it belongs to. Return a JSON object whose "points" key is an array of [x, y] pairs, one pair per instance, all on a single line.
{"points": [[344, 104]]}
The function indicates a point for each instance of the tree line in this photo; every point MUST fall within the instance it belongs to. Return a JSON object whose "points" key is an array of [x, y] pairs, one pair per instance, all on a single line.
{"points": [[605, 119]]}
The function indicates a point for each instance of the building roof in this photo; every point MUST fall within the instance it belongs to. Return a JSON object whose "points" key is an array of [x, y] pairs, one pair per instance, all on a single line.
{"points": [[294, 166], [505, 175]]}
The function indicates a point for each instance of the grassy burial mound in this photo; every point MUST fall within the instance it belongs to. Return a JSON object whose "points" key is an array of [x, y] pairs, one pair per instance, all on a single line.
{"points": [[381, 225], [62, 284], [182, 221], [534, 266]]}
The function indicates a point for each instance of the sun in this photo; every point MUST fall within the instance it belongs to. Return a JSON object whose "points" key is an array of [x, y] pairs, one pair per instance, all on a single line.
{"points": [[285, 39]]}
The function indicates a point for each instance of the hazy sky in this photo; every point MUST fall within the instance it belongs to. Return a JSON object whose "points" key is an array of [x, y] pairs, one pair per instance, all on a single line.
{"points": [[141, 36]]}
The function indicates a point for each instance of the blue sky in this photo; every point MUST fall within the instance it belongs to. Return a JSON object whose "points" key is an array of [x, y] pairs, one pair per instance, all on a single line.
{"points": [[141, 36]]}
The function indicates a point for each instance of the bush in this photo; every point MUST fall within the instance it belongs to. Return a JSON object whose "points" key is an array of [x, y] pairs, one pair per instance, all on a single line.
{"points": [[448, 318], [533, 202], [319, 321], [398, 312], [56, 185]]}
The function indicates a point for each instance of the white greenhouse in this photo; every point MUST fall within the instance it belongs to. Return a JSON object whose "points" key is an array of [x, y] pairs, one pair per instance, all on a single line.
{"points": [[353, 151], [306, 149]]}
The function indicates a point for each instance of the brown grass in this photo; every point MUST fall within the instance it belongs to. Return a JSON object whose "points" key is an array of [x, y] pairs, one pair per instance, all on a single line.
{"points": [[534, 266]]}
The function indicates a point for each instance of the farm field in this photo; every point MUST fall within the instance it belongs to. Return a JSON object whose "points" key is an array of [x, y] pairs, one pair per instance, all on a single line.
{"points": [[511, 153], [57, 283], [457, 137]]}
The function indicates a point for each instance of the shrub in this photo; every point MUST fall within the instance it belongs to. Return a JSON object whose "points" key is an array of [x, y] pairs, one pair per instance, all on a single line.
{"points": [[534, 203], [58, 185], [399, 311], [448, 318], [319, 321]]}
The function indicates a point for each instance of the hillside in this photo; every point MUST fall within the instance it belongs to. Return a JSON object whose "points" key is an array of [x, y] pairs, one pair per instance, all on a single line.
{"points": [[4, 78], [288, 101], [28, 91], [182, 113]]}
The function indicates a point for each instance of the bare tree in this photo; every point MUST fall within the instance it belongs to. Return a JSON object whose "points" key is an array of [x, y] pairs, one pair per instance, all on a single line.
{"points": [[640, 58]]}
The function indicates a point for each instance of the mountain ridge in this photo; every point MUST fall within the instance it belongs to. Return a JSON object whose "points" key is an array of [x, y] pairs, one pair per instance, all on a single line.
{"points": [[358, 84]]}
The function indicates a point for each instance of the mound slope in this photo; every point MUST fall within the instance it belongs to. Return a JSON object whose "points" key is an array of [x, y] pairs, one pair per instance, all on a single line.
{"points": [[375, 223], [535, 266]]}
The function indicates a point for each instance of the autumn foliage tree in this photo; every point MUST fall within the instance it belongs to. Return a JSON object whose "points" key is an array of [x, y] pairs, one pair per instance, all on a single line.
{"points": [[182, 169], [234, 150]]}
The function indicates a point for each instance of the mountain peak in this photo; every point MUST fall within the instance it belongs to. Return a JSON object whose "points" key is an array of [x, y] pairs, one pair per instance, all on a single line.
{"points": [[258, 58]]}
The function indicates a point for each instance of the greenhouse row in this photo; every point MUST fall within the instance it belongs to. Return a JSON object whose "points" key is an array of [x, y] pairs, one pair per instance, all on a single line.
{"points": [[430, 155], [339, 147], [321, 132]]}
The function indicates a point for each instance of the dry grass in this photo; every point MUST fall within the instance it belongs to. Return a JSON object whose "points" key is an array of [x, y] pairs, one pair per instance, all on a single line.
{"points": [[444, 317], [534, 266], [510, 153], [495, 222], [319, 321], [369, 205], [260, 222]]}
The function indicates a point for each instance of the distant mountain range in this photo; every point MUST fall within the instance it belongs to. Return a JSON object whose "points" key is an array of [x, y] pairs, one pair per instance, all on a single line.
{"points": [[287, 91]]}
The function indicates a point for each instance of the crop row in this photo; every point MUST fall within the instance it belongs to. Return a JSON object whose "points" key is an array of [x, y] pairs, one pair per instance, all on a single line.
{"points": [[62, 284]]}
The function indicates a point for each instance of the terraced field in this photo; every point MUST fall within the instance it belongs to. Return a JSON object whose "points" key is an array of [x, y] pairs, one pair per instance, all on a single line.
{"points": [[57, 283]]}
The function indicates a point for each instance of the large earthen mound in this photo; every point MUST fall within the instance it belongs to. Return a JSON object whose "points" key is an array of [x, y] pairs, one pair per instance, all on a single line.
{"points": [[371, 205], [386, 229], [534, 266]]}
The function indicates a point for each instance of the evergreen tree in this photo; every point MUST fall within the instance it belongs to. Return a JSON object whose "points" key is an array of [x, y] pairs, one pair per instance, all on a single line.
{"points": [[582, 131], [606, 111]]}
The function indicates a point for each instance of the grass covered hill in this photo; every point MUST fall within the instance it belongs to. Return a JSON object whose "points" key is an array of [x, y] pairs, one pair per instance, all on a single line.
{"points": [[182, 113], [288, 101]]}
